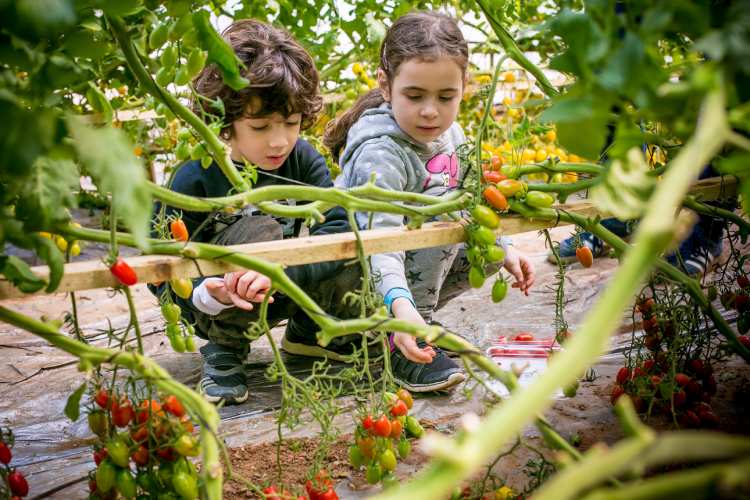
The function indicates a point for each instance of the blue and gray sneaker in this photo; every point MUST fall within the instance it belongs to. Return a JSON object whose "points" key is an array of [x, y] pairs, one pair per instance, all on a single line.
{"points": [[442, 373], [224, 378], [698, 253]]}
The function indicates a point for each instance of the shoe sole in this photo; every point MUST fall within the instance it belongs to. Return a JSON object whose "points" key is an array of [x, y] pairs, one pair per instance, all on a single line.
{"points": [[453, 379], [227, 401], [310, 351]]}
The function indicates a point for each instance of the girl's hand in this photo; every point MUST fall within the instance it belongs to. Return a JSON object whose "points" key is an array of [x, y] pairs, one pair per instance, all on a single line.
{"points": [[402, 308], [521, 268]]}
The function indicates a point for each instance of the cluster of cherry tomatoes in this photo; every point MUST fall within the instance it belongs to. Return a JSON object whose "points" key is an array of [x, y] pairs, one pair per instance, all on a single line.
{"points": [[320, 487], [655, 386], [13, 484], [143, 447], [379, 438]]}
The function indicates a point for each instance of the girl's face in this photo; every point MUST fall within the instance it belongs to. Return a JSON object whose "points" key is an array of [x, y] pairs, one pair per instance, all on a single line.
{"points": [[425, 96], [265, 140]]}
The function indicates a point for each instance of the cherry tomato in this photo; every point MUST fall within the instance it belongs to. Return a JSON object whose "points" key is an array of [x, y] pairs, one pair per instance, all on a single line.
{"points": [[485, 216], [584, 256], [493, 177], [186, 423], [366, 446], [645, 305], [387, 460], [539, 199], [145, 410], [623, 375], [172, 405], [182, 287], [122, 413], [185, 485], [367, 423], [617, 391], [495, 198], [476, 277], [499, 290], [406, 397], [271, 493], [167, 454], [512, 187], [118, 452], [100, 455], [5, 455], [484, 236], [187, 446], [139, 433], [171, 312], [523, 337], [179, 230], [356, 458], [413, 427], [399, 408], [105, 476], [123, 272], [140, 456], [494, 253], [570, 390], [396, 429], [382, 426], [102, 398], [98, 422], [743, 281], [17, 484], [125, 483], [374, 473]]}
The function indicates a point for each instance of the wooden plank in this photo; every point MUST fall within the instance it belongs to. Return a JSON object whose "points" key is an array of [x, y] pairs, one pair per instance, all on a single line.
{"points": [[88, 275]]}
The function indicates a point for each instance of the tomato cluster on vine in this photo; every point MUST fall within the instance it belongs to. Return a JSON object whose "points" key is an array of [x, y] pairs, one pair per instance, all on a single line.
{"points": [[378, 438], [13, 484], [143, 446], [660, 383]]}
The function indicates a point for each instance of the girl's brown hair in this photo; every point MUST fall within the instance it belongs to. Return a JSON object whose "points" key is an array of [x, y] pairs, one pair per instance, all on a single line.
{"points": [[282, 76], [422, 35]]}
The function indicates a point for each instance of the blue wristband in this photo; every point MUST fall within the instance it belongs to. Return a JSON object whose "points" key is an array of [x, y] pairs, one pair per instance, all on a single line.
{"points": [[397, 293]]}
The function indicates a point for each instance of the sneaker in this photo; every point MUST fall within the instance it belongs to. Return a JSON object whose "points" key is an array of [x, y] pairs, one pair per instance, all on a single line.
{"points": [[302, 342], [698, 254], [440, 374], [224, 378]]}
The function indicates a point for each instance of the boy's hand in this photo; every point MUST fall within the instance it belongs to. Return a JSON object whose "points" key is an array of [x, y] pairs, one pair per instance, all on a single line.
{"points": [[521, 268], [240, 288], [402, 308]]}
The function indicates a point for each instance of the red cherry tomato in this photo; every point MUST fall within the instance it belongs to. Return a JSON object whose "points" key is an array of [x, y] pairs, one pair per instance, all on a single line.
{"points": [[123, 272], [173, 406], [179, 230], [382, 426]]}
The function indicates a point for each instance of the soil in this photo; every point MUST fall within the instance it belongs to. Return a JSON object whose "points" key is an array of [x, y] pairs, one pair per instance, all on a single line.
{"points": [[55, 454]]}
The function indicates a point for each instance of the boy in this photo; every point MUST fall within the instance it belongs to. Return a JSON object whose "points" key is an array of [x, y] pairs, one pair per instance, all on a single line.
{"points": [[263, 123]]}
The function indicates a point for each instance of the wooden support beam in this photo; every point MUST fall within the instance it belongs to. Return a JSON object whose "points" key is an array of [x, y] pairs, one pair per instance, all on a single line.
{"points": [[88, 275]]}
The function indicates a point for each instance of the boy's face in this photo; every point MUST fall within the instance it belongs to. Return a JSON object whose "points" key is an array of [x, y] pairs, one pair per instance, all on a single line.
{"points": [[265, 140], [425, 96]]}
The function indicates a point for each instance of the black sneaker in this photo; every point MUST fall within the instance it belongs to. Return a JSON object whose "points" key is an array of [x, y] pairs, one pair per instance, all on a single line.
{"points": [[224, 378], [300, 341], [440, 374]]}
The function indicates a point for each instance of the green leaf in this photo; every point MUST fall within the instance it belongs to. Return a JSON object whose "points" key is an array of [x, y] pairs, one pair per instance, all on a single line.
{"points": [[24, 135], [73, 405], [99, 103], [623, 67], [569, 109], [735, 164], [219, 52], [119, 7], [108, 156], [745, 196], [46, 16], [19, 274], [46, 193]]}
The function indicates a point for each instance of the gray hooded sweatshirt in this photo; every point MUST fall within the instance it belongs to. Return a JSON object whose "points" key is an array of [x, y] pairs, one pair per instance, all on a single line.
{"points": [[376, 145]]}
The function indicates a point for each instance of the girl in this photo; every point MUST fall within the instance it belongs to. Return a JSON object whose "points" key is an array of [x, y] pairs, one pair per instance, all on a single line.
{"points": [[405, 134]]}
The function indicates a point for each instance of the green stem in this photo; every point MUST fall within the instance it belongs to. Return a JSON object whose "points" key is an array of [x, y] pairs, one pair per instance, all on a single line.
{"points": [[702, 208], [694, 483], [134, 319], [150, 371], [488, 105], [512, 50], [218, 150]]}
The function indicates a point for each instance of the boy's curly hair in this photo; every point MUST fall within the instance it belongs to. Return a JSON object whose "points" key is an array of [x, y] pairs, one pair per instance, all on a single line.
{"points": [[281, 73]]}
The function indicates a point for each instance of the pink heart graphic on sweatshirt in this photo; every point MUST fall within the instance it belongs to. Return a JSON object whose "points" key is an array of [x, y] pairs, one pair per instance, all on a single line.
{"points": [[446, 165]]}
